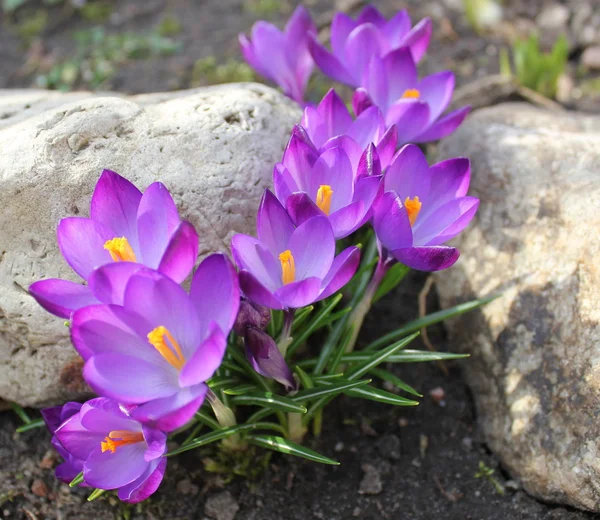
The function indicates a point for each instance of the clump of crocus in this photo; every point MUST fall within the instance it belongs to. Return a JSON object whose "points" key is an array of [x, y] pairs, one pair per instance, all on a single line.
{"points": [[125, 226], [355, 43], [158, 348], [310, 183], [332, 119], [113, 450], [289, 266], [282, 57], [414, 106], [423, 208]]}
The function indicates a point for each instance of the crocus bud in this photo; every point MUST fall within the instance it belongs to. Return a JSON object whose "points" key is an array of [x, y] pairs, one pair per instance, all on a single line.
{"points": [[266, 359], [251, 315]]}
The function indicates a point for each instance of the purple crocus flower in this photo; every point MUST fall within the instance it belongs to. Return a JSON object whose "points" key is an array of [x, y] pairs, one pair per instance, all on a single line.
{"points": [[282, 57], [332, 119], [125, 226], [423, 207], [54, 417], [113, 450], [159, 347], [414, 106], [289, 266], [311, 183], [354, 43], [266, 359]]}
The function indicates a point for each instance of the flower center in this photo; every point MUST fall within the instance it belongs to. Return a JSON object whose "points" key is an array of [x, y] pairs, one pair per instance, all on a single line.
{"points": [[120, 250], [411, 93], [119, 438], [288, 267], [163, 341], [324, 198], [413, 206]]}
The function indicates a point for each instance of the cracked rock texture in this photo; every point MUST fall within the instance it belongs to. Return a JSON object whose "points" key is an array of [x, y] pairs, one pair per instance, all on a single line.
{"points": [[535, 352], [213, 147]]}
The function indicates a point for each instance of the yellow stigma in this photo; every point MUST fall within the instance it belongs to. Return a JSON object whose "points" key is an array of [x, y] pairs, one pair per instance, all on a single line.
{"points": [[413, 206], [119, 438], [411, 93], [120, 250], [324, 198], [171, 351], [288, 268]]}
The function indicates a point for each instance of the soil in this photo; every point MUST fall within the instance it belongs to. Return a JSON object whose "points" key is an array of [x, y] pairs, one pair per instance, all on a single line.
{"points": [[396, 463]]}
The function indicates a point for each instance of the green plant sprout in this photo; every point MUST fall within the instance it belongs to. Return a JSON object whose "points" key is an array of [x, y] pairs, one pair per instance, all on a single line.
{"points": [[488, 474]]}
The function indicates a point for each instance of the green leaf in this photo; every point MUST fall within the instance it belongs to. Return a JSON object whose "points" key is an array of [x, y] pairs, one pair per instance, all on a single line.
{"points": [[241, 389], [97, 493], [20, 411], [206, 419], [504, 59], [379, 357], [301, 316], [218, 382], [329, 390], [282, 445], [315, 322], [381, 396], [304, 378], [334, 317], [416, 356], [392, 278], [269, 400], [31, 426], [393, 379], [430, 319], [77, 480]]}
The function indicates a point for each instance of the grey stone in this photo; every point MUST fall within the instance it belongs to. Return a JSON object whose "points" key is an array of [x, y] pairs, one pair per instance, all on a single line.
{"points": [[214, 148], [221, 506], [590, 57], [371, 483], [535, 351]]}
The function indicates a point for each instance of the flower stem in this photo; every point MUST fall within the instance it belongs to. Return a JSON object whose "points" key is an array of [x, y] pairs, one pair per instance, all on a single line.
{"points": [[296, 431], [226, 419], [285, 339]]}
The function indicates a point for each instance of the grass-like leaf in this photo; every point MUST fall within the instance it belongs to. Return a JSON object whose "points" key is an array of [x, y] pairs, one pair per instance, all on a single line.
{"points": [[301, 316], [387, 376], [207, 420], [217, 382], [77, 480], [269, 400], [37, 423], [392, 278], [305, 379], [329, 390], [282, 445], [20, 411], [381, 396], [97, 493], [241, 389]]}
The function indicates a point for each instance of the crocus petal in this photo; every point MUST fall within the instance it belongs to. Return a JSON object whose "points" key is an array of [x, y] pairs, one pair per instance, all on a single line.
{"points": [[363, 43], [436, 90], [107, 470], [368, 127], [301, 207], [391, 222], [268, 43], [342, 270], [273, 225], [434, 258], [443, 126], [446, 222], [299, 157], [250, 56], [410, 117], [81, 242], [266, 359], [169, 413], [386, 147], [361, 101], [409, 174], [215, 282], [376, 81], [157, 219], [450, 179], [67, 471], [102, 415], [333, 168], [108, 282], [369, 163], [418, 39], [370, 14], [56, 415], [257, 292], [329, 64], [299, 294], [182, 251], [61, 297], [341, 26], [156, 441], [144, 486], [283, 183], [368, 190], [111, 374], [250, 255], [313, 246], [114, 205], [205, 360], [397, 28], [401, 73], [335, 115], [76, 440], [350, 147], [347, 219]]}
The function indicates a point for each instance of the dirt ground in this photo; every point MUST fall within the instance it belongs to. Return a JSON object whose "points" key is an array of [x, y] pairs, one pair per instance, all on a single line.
{"points": [[396, 463]]}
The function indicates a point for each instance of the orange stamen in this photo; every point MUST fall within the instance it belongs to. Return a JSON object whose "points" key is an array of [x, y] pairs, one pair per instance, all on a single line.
{"points": [[120, 250], [288, 267], [119, 438], [170, 351], [324, 198], [411, 93], [413, 207]]}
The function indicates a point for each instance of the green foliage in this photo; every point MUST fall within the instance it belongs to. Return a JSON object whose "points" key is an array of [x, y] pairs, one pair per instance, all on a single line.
{"points": [[482, 14], [207, 71], [266, 8], [488, 473], [32, 26], [535, 69], [169, 26], [97, 12]]}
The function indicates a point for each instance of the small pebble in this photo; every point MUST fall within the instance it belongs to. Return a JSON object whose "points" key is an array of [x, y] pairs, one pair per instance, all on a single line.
{"points": [[403, 422], [221, 506], [339, 446], [371, 483], [389, 446], [553, 16], [438, 394], [467, 442], [187, 487], [39, 488], [591, 58]]}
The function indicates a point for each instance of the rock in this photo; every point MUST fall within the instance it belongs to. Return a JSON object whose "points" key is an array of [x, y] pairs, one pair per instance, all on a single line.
{"points": [[389, 446], [534, 351], [371, 484], [39, 488], [590, 57], [553, 17], [585, 23], [213, 147], [221, 506]]}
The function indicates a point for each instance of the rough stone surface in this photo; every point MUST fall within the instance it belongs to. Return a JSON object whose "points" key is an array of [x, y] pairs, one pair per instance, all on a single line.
{"points": [[222, 506], [214, 148], [535, 365]]}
